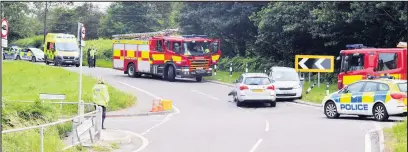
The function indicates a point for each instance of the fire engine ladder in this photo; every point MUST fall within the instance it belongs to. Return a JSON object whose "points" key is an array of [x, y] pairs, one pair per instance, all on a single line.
{"points": [[146, 35]]}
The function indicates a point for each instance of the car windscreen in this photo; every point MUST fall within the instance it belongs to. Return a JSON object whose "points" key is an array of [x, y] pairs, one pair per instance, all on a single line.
{"points": [[66, 46], [285, 76], [257, 81], [402, 87]]}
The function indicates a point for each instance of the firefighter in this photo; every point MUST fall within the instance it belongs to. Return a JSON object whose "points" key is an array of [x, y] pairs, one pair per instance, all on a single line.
{"points": [[101, 97]]}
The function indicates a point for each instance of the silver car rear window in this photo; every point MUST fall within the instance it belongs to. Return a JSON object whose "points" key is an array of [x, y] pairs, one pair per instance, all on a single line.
{"points": [[257, 81], [402, 87]]}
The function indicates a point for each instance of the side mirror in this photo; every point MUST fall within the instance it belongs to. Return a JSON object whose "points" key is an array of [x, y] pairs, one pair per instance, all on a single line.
{"points": [[302, 79]]}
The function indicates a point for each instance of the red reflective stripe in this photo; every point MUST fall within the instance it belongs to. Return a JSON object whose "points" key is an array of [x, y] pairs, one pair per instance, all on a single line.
{"points": [[125, 54], [116, 57]]}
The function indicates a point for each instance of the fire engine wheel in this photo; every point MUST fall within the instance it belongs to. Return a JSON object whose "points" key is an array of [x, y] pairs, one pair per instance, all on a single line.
{"points": [[170, 74], [131, 71], [199, 79]]}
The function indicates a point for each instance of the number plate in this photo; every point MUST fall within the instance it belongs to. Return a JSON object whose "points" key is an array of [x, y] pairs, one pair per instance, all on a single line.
{"points": [[200, 71], [68, 61], [199, 68], [257, 90]]}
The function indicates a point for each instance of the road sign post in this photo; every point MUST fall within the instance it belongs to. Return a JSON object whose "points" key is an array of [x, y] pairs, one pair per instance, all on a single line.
{"points": [[81, 37], [314, 63]]}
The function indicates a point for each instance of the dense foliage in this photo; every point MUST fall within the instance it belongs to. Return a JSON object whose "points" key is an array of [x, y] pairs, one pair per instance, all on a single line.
{"points": [[270, 33]]}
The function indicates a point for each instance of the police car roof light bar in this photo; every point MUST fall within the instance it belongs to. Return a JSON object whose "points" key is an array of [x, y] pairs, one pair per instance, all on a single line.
{"points": [[370, 77]]}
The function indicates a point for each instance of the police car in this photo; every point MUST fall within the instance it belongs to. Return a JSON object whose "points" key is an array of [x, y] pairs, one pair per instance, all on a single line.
{"points": [[372, 97]]}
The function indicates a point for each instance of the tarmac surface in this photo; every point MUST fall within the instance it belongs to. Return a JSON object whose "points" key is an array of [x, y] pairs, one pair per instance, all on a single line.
{"points": [[206, 120]]}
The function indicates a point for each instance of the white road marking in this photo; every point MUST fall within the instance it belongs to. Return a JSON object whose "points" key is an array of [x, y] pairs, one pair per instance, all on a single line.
{"points": [[167, 118], [145, 142], [266, 125], [212, 97], [304, 105], [256, 145]]}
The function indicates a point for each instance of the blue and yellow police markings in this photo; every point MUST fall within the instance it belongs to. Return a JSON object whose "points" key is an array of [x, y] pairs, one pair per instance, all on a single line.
{"points": [[361, 100]]}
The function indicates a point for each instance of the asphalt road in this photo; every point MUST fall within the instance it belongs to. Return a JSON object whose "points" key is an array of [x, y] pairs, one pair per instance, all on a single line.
{"points": [[206, 121]]}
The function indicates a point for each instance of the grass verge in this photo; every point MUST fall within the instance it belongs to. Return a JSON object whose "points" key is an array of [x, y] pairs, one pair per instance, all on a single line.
{"points": [[316, 95], [25, 81], [396, 137]]}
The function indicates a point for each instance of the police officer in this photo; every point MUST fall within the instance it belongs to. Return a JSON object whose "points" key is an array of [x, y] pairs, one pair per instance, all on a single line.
{"points": [[101, 97], [92, 53], [89, 57]]}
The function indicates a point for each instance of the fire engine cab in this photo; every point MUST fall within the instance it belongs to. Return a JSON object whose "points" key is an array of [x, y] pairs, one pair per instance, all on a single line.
{"points": [[160, 55], [358, 61]]}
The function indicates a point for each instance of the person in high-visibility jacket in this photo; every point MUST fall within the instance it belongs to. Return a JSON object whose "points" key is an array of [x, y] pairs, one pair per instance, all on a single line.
{"points": [[93, 57], [101, 97]]}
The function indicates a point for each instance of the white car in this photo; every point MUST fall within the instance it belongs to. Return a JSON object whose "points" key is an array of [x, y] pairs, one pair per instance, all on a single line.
{"points": [[32, 54], [288, 84], [253, 87]]}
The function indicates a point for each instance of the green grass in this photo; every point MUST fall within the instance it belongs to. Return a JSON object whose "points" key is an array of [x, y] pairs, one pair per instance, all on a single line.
{"points": [[24, 81], [316, 95], [396, 137]]}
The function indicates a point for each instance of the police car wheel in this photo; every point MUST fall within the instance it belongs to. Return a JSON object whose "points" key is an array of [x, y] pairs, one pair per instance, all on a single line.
{"points": [[273, 104], [380, 112], [33, 59], [199, 79], [18, 58], [330, 110]]}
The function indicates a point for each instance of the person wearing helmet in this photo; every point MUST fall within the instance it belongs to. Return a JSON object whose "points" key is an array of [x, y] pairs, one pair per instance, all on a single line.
{"points": [[101, 97]]}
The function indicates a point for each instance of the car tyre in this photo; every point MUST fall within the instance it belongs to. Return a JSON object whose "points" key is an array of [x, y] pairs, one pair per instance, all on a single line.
{"points": [[170, 74], [273, 104], [33, 59], [240, 103], [77, 65], [199, 79], [330, 110], [380, 112], [55, 62], [18, 57]]}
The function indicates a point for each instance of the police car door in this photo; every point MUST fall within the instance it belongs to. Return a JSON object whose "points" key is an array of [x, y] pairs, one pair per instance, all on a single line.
{"points": [[369, 94], [351, 97], [23, 54]]}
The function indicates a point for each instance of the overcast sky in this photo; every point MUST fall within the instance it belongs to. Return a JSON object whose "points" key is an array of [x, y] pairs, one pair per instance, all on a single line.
{"points": [[101, 5]]}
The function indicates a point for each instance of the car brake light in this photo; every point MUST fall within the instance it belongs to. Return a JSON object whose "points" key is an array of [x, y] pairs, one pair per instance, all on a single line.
{"points": [[271, 87], [398, 95], [243, 87]]}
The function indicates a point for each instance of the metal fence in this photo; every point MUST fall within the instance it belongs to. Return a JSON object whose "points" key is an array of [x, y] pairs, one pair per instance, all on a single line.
{"points": [[80, 125]]}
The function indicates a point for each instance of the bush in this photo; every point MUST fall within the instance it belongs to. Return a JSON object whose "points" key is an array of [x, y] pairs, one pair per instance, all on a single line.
{"points": [[36, 41]]}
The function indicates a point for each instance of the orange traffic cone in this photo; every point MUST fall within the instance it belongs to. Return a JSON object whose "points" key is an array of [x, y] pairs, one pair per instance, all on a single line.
{"points": [[160, 106], [154, 107]]}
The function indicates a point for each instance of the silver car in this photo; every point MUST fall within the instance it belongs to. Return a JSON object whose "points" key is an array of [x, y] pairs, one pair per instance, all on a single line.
{"points": [[253, 87]]}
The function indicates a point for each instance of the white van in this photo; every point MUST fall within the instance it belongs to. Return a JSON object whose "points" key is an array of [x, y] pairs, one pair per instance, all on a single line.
{"points": [[288, 84]]}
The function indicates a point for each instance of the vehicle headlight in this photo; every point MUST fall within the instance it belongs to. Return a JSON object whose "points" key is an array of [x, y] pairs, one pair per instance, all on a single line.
{"points": [[185, 69], [77, 58], [297, 86], [59, 56]]}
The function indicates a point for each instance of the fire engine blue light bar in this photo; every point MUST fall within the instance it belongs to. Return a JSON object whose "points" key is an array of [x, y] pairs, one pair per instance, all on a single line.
{"points": [[355, 46]]}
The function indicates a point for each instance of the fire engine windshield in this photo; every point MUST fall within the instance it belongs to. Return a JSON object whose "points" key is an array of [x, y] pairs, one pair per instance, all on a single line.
{"points": [[66, 46], [195, 48]]}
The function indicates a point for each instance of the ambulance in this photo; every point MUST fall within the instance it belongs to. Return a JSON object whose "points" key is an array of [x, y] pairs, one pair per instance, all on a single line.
{"points": [[61, 49]]}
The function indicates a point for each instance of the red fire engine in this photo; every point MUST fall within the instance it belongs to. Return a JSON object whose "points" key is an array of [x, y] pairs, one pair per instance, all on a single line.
{"points": [[160, 55], [359, 61]]}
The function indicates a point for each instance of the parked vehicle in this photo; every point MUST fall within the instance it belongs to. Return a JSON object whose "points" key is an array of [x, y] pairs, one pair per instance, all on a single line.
{"points": [[288, 84]]}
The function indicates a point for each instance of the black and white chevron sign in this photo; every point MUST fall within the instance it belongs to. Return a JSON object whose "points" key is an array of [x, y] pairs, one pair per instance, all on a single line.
{"points": [[311, 63]]}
